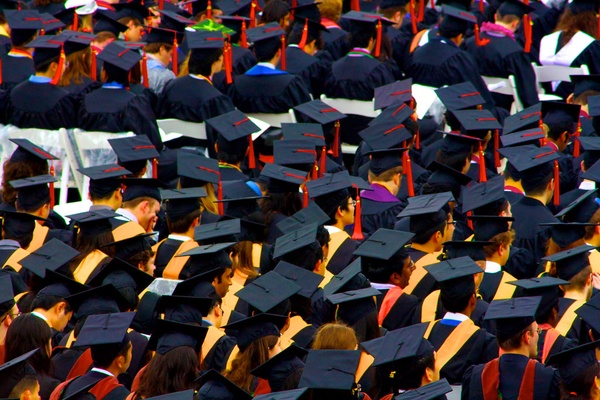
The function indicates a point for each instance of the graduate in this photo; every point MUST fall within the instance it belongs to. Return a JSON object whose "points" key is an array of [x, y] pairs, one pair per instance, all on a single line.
{"points": [[77, 78], [17, 233], [17, 65], [19, 379], [159, 49]]}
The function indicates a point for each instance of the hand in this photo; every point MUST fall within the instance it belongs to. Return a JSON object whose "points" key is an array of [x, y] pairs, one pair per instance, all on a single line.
{"points": [[596, 280]]}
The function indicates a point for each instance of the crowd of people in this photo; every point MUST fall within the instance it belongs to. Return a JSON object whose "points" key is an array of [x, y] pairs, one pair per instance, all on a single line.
{"points": [[451, 253]]}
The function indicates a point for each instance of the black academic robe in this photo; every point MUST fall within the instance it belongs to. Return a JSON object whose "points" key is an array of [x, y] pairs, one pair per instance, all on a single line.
{"points": [[274, 231], [231, 174], [528, 214], [521, 263], [489, 285], [81, 89], [544, 21], [511, 369], [343, 256], [285, 91], [119, 393], [164, 253], [217, 356], [309, 68], [5, 45], [15, 70], [402, 312], [243, 60], [502, 57], [336, 43], [58, 110], [47, 385], [560, 344], [568, 177], [513, 197], [401, 40], [379, 209], [440, 62], [427, 284], [323, 310], [480, 348]]}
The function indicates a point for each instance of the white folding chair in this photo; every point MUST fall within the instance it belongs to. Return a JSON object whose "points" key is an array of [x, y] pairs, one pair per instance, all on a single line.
{"points": [[274, 120], [424, 96], [353, 107], [172, 128], [506, 86], [555, 74], [49, 140]]}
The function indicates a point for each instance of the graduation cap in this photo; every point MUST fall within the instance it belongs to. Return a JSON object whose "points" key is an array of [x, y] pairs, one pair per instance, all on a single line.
{"points": [[331, 370], [554, 112], [27, 151], [594, 106], [443, 174], [295, 240], [134, 152], [13, 371], [329, 191], [196, 170], [252, 231], [354, 305], [581, 209], [341, 279], [430, 391], [362, 21], [132, 9], [588, 312], [279, 367], [240, 198], [483, 193], [181, 202], [400, 345], [268, 291], [93, 223], [535, 165], [564, 233], [104, 329], [547, 287], [217, 231], [591, 146], [28, 20], [487, 227], [592, 173], [235, 133], [461, 248], [456, 20], [158, 35], [579, 6], [197, 286], [52, 255], [185, 309], [212, 383], [142, 187], [455, 142], [237, 24], [384, 244], [528, 136], [477, 122], [512, 316], [306, 131], [514, 7], [106, 21], [48, 49], [122, 275], [570, 262], [455, 276], [237, 8], [322, 113], [105, 299], [213, 255], [103, 178], [204, 40], [584, 83], [58, 285], [256, 327], [130, 246], [399, 112], [299, 154], [386, 134], [310, 215], [119, 57], [264, 37], [307, 280], [283, 179], [385, 160], [7, 295], [460, 96], [33, 192], [169, 335], [17, 224], [393, 94], [173, 21], [574, 361], [182, 395], [426, 204], [529, 118]]}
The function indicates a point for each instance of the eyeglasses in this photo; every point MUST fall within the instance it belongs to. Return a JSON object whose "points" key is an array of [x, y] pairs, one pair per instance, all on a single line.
{"points": [[453, 223], [352, 203]]}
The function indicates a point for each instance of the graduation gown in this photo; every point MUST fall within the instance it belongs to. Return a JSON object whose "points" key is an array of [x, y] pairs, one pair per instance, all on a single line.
{"points": [[243, 60], [513, 195], [398, 308], [478, 346], [17, 67], [511, 369], [335, 39], [166, 250], [494, 287], [58, 110], [421, 283], [341, 249], [521, 263], [379, 209], [528, 213], [544, 21], [81, 89], [117, 391], [502, 57], [285, 91], [90, 266], [569, 324], [551, 342], [42, 235], [216, 348], [309, 68]]}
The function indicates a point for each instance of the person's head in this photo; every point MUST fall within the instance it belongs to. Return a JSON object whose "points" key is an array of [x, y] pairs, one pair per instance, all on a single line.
{"points": [[396, 271], [433, 228], [135, 29], [231, 151], [453, 28], [392, 176], [223, 281], [313, 41], [115, 357], [144, 260], [500, 247], [145, 209], [459, 161], [363, 35], [28, 332], [103, 39], [55, 309], [510, 21], [459, 295], [78, 66], [572, 21], [249, 358], [20, 166], [335, 336], [171, 372], [581, 280], [525, 340], [161, 51], [331, 9], [276, 11], [583, 386], [560, 132], [206, 62], [28, 388], [339, 206], [184, 224], [413, 372], [268, 50], [307, 257], [539, 182]]}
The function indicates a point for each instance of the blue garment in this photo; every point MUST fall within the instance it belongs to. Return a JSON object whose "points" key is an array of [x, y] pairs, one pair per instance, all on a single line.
{"points": [[258, 70], [39, 79]]}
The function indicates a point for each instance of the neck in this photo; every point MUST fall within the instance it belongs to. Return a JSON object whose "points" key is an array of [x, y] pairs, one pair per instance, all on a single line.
{"points": [[47, 74], [113, 369], [581, 294], [107, 203], [495, 258], [510, 28], [594, 240], [542, 198], [45, 313], [338, 224], [429, 247], [522, 351], [213, 320], [388, 185], [189, 233]]}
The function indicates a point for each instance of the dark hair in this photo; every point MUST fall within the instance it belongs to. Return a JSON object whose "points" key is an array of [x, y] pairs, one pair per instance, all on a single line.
{"points": [[295, 36], [557, 129], [265, 50], [455, 161], [13, 170], [280, 203], [305, 257], [457, 302], [171, 372], [531, 189], [28, 332], [425, 236], [514, 342], [379, 271], [362, 37], [24, 239], [232, 152], [141, 257], [343, 205], [201, 61], [411, 376], [115, 74], [493, 208], [86, 244], [274, 11], [570, 24], [46, 302], [45, 65], [367, 328], [323, 236], [580, 387], [154, 48], [103, 355], [182, 224]]}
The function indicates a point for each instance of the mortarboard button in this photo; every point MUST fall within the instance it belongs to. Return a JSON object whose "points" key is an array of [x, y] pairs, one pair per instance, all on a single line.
{"points": [[453, 269], [133, 152], [460, 97], [477, 122], [269, 290], [393, 94], [104, 329]]}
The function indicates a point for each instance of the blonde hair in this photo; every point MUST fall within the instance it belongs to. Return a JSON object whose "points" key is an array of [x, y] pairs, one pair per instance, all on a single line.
{"points": [[335, 336], [331, 9]]}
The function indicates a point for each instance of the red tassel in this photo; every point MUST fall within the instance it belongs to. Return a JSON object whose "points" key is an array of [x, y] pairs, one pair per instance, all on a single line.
{"points": [[378, 44], [413, 19], [357, 234], [0, 71], [418, 140], [315, 171], [190, 8], [408, 172], [51, 188], [209, 10], [282, 62], [154, 168], [481, 6], [576, 145], [94, 72], [253, 14], [227, 60], [42, 32], [432, 4], [243, 37], [421, 15], [470, 221], [355, 5], [496, 147], [304, 35], [220, 206], [556, 184], [336, 140], [75, 22], [478, 40], [161, 4], [61, 66], [482, 175], [304, 196], [527, 31], [323, 160], [251, 155], [145, 71], [175, 58], [598, 16]]}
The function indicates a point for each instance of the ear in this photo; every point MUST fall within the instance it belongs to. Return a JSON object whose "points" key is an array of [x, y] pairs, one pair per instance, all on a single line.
{"points": [[582, 165], [318, 267], [570, 98], [26, 395], [429, 374], [196, 222], [216, 147], [395, 278]]}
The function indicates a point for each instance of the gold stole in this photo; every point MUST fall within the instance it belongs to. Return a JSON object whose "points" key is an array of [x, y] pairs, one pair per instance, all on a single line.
{"points": [[39, 237], [419, 272], [176, 264], [212, 337], [454, 342], [127, 230], [566, 322], [429, 306], [505, 291], [88, 265], [15, 258]]}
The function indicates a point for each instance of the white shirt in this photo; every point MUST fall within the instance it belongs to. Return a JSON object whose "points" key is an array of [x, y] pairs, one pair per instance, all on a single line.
{"points": [[102, 371], [266, 65], [455, 316], [492, 267], [587, 185], [383, 286], [42, 317], [181, 238], [127, 214], [332, 229]]}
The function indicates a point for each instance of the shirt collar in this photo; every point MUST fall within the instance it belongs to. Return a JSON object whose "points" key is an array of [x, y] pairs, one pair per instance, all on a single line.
{"points": [[455, 316], [383, 286], [41, 316], [587, 185], [102, 371], [332, 229], [127, 214], [266, 65], [181, 238], [39, 79], [492, 267]]}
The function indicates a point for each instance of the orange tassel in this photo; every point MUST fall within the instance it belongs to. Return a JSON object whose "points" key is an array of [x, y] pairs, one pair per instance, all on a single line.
{"points": [[357, 234], [496, 147], [527, 31], [209, 10], [154, 168], [418, 140], [408, 172], [413, 19], [220, 197], [243, 37], [42, 32], [469, 221], [75, 22], [378, 44], [482, 175], [61, 66], [251, 155], [556, 184], [598, 17], [145, 71], [355, 5], [175, 61], [0, 71], [94, 72], [478, 40], [253, 14], [228, 77], [161, 4], [51, 187], [576, 149], [421, 15], [315, 171], [336, 140], [304, 35], [304, 196], [323, 161], [481, 6], [282, 62]]}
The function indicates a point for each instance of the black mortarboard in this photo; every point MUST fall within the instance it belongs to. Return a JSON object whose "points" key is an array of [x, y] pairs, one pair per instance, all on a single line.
{"points": [[312, 132], [27, 151], [383, 244], [573, 362], [214, 255], [588, 312], [130, 246], [269, 290], [100, 300], [295, 240], [488, 226], [330, 369], [196, 169], [256, 327], [592, 173], [579, 6], [427, 204], [564, 233], [283, 179], [196, 286], [121, 274], [399, 344], [431, 391], [252, 231], [398, 112], [456, 20], [308, 10], [169, 335], [591, 145], [217, 232], [158, 35], [341, 279], [47, 49], [528, 136], [386, 134], [272, 30], [477, 122], [384, 160], [312, 214], [294, 394], [107, 22], [514, 7], [462, 248], [17, 224], [204, 40], [7, 296], [460, 97], [581, 209], [13, 371], [94, 222], [535, 165], [103, 178], [58, 285], [320, 112], [455, 276], [393, 94], [185, 309], [33, 192], [142, 187], [132, 9], [279, 367], [584, 83], [528, 118], [554, 112], [455, 142], [213, 385], [236, 133], [329, 191], [181, 202], [443, 174], [104, 329], [240, 198], [52, 255], [512, 316], [546, 287], [299, 154], [182, 395], [23, 19], [119, 57], [570, 262], [234, 22], [482, 194], [307, 280], [134, 152], [354, 305], [172, 20], [594, 106]]}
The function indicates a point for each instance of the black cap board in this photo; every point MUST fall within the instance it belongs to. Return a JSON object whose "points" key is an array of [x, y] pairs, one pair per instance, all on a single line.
{"points": [[512, 316], [268, 291], [570, 262], [104, 329]]}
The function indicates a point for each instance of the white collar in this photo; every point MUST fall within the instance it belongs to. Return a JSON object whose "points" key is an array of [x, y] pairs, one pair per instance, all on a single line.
{"points": [[492, 267], [266, 65], [587, 185], [455, 316], [40, 316], [293, 45], [332, 229], [181, 238], [102, 371], [127, 214], [384, 286]]}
